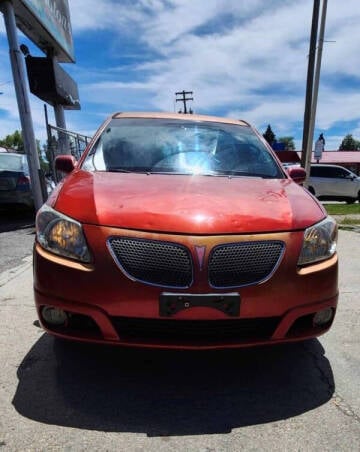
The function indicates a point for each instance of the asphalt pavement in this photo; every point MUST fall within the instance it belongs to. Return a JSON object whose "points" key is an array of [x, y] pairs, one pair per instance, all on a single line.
{"points": [[17, 232], [302, 397]]}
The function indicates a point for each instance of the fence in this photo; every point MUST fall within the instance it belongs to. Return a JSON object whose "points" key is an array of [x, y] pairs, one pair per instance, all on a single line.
{"points": [[60, 141]]}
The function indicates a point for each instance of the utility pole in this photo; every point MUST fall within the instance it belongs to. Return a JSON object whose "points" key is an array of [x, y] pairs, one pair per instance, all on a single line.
{"points": [[316, 89], [184, 99], [22, 96], [310, 80]]}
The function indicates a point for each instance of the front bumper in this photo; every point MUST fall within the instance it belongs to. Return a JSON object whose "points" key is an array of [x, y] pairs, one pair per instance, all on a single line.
{"points": [[103, 305], [93, 325]]}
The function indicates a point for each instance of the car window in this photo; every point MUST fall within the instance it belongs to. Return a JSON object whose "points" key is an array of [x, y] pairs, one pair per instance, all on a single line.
{"points": [[342, 173], [336, 172], [181, 147], [11, 162], [329, 171], [318, 171]]}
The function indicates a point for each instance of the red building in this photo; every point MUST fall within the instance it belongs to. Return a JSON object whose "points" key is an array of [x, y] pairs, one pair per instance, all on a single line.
{"points": [[348, 159]]}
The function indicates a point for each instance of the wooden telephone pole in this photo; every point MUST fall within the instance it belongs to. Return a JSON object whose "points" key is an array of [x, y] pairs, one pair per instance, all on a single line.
{"points": [[184, 99]]}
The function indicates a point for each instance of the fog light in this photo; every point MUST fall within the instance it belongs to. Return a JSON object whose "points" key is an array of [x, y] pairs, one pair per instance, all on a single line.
{"points": [[323, 317], [54, 316]]}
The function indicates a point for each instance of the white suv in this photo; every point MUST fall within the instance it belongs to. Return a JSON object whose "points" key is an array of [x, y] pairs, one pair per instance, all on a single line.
{"points": [[333, 183]]}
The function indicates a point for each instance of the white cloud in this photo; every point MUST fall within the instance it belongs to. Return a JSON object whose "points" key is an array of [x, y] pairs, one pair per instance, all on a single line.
{"points": [[90, 15]]}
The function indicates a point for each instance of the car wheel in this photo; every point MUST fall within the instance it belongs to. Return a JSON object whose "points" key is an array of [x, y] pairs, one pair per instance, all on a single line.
{"points": [[350, 200]]}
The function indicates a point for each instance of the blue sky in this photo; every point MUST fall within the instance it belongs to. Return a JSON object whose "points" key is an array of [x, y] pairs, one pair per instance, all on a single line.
{"points": [[242, 59]]}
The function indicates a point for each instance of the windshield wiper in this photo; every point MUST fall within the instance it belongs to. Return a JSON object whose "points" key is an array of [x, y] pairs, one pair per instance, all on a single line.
{"points": [[249, 174]]}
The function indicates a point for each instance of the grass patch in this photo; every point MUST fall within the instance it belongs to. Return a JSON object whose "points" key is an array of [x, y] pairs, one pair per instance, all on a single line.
{"points": [[349, 221], [343, 209]]}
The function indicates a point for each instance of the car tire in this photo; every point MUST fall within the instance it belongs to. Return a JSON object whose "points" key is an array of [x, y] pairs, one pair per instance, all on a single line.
{"points": [[350, 200]]}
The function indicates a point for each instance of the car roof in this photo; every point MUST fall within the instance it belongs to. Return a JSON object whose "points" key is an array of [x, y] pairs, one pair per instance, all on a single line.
{"points": [[182, 116], [327, 165], [12, 154]]}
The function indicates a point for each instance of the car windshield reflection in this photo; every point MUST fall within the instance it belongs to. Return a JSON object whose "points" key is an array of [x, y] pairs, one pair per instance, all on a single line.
{"points": [[165, 146]]}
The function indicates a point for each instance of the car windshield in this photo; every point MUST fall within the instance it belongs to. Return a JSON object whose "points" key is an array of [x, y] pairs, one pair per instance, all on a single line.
{"points": [[11, 162], [176, 146]]}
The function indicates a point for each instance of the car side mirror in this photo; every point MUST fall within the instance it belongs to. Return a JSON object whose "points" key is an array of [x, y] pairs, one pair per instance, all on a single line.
{"points": [[65, 163], [298, 175]]}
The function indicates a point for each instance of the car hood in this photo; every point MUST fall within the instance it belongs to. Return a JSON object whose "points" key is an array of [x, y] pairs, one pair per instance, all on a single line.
{"points": [[186, 204]]}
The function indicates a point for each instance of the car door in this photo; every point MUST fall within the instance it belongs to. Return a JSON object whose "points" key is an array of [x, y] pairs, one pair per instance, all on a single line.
{"points": [[320, 180], [342, 183]]}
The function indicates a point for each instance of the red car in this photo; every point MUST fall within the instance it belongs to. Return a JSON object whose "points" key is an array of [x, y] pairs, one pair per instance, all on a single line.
{"points": [[183, 231]]}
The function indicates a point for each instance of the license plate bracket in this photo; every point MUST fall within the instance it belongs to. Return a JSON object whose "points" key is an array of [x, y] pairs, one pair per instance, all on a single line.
{"points": [[172, 303]]}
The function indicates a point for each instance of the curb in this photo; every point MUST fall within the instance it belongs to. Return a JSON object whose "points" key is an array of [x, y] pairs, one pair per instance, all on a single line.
{"points": [[349, 227], [13, 273]]}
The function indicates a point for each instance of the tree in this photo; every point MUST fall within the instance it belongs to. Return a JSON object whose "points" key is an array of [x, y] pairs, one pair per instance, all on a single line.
{"points": [[349, 144], [269, 135], [288, 142], [43, 158], [13, 141]]}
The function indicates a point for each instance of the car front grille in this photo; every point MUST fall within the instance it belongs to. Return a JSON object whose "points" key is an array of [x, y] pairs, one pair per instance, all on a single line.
{"points": [[199, 331], [243, 263], [153, 261], [169, 264]]}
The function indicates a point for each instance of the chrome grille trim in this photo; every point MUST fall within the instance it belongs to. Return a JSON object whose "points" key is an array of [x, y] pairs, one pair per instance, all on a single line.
{"points": [[154, 262], [241, 264]]}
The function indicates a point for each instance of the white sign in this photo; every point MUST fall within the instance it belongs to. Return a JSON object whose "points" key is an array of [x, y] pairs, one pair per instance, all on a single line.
{"points": [[319, 147]]}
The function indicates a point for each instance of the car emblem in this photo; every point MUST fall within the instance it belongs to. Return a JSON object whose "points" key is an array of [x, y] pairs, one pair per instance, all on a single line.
{"points": [[200, 253]]}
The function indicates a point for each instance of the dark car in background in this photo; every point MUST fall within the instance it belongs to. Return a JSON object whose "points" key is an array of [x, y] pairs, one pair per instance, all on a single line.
{"points": [[15, 187]]}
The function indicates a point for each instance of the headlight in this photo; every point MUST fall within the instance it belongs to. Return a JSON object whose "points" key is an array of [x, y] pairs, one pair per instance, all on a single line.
{"points": [[319, 242], [61, 235]]}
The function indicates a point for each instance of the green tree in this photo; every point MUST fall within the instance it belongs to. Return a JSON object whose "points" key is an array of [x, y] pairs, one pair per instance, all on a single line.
{"points": [[269, 135], [43, 158], [349, 144], [288, 142], [14, 141]]}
